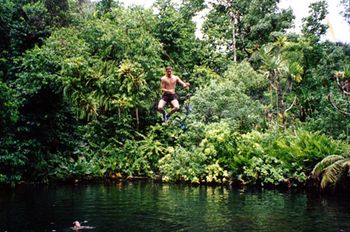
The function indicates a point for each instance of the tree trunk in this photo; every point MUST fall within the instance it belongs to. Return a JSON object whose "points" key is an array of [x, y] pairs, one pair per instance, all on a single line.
{"points": [[233, 20], [137, 118]]}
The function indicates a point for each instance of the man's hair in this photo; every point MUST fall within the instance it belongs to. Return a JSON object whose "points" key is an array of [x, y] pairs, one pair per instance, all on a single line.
{"points": [[168, 67]]}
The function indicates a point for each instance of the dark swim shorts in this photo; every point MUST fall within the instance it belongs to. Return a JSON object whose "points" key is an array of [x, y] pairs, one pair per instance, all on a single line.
{"points": [[169, 97]]}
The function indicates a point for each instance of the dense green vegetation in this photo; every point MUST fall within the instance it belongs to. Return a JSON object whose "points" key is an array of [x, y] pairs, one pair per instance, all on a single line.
{"points": [[79, 85]]}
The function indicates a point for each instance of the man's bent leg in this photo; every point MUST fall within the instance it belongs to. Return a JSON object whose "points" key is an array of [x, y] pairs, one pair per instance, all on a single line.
{"points": [[176, 107], [161, 105], [160, 109]]}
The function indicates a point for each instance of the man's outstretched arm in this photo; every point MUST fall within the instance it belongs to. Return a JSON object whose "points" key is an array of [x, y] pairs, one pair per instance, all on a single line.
{"points": [[184, 84]]}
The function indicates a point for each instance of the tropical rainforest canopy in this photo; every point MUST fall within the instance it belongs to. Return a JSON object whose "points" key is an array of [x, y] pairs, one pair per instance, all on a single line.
{"points": [[79, 87]]}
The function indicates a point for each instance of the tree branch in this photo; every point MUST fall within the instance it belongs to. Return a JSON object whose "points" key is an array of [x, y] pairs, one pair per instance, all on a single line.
{"points": [[336, 107], [291, 106]]}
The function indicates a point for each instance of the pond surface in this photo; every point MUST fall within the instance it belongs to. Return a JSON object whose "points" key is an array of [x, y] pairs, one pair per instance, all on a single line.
{"points": [[160, 207]]}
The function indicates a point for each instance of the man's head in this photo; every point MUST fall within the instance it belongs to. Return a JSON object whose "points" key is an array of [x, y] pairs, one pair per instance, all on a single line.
{"points": [[168, 71], [76, 224]]}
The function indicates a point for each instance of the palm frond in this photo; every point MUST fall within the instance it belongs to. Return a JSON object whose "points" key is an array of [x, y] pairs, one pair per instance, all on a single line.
{"points": [[346, 163], [332, 174], [320, 166]]}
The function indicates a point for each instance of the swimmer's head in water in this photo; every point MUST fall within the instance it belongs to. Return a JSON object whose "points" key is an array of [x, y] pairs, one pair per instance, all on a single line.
{"points": [[76, 224]]}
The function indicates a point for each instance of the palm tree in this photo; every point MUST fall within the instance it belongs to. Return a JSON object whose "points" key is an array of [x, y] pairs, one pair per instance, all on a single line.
{"points": [[342, 79], [133, 83], [331, 174], [281, 70]]}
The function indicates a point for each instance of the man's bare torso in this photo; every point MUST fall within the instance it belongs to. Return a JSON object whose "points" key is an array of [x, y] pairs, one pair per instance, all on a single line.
{"points": [[169, 83]]}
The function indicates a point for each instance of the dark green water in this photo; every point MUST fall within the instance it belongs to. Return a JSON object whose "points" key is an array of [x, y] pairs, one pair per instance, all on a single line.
{"points": [[160, 207]]}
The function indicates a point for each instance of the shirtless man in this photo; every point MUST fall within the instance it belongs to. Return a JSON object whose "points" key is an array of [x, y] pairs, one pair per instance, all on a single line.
{"points": [[168, 85]]}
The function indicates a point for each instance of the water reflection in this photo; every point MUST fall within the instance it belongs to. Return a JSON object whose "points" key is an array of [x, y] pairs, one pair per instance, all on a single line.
{"points": [[161, 207]]}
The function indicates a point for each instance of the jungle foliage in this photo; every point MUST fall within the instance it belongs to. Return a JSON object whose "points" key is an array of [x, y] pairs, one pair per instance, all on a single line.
{"points": [[79, 86]]}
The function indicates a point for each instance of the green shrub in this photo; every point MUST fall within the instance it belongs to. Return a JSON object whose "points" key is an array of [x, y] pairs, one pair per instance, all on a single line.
{"points": [[184, 165], [264, 170]]}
